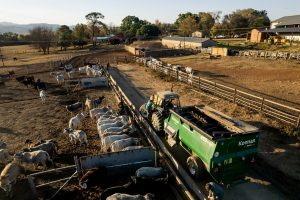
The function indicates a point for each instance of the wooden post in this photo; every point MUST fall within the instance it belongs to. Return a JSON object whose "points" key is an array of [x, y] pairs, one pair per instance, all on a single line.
{"points": [[199, 81], [32, 185], [177, 74], [234, 97], [262, 104], [298, 122], [187, 78], [215, 88]]}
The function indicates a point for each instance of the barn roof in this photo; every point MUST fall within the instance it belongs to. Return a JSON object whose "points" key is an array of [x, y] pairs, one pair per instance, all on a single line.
{"points": [[288, 20], [186, 39]]}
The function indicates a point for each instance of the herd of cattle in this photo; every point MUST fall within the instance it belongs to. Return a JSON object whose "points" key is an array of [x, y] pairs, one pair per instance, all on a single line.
{"points": [[115, 131]]}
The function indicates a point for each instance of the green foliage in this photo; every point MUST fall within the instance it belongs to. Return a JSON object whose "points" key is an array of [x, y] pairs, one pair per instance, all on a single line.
{"points": [[95, 23], [130, 25], [188, 26], [64, 37], [247, 18], [9, 37], [202, 21], [148, 30], [206, 22]]}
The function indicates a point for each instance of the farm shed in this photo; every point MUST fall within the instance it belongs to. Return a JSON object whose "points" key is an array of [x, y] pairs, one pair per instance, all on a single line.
{"points": [[93, 82], [216, 51], [176, 42], [257, 36]]}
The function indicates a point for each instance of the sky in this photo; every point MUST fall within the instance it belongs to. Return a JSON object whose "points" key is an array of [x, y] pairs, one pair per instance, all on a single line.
{"points": [[71, 12]]}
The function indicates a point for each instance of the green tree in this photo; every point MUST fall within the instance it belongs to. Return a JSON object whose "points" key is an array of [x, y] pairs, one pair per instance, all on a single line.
{"points": [[247, 18], [130, 25], [188, 26], [183, 16], [206, 22], [80, 35], [148, 30], [64, 37], [94, 21], [42, 37]]}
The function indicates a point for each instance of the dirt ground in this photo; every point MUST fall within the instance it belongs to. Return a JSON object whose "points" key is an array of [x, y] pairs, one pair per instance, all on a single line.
{"points": [[23, 116], [278, 150], [278, 79]]}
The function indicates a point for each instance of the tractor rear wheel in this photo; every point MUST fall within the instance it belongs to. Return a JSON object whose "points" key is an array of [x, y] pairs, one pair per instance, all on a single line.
{"points": [[157, 121], [196, 166]]}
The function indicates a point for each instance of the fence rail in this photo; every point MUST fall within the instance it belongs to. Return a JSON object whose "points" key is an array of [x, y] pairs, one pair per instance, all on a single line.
{"points": [[269, 108]]}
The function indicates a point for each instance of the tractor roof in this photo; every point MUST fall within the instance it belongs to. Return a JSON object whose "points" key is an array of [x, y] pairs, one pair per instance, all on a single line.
{"points": [[167, 95]]}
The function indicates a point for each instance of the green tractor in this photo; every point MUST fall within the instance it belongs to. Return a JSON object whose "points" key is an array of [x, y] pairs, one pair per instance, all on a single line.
{"points": [[162, 102]]}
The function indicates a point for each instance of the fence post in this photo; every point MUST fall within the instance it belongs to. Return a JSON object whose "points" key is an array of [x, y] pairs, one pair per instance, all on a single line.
{"points": [[234, 97], [215, 88], [199, 80], [187, 78], [298, 122], [32, 185], [177, 74], [262, 104]]}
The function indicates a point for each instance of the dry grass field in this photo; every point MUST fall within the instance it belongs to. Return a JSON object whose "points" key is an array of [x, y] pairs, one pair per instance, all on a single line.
{"points": [[278, 79], [27, 55]]}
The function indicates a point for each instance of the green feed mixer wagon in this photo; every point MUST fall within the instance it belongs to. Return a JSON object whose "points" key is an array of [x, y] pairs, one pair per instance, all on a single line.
{"points": [[218, 144]]}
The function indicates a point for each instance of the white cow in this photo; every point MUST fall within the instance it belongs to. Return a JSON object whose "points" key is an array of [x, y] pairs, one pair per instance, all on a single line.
{"points": [[43, 95], [76, 121], [132, 148], [102, 128], [82, 69], [189, 70], [107, 113], [119, 118], [119, 145], [108, 140], [9, 176], [131, 129], [95, 111], [76, 136], [60, 78], [119, 196], [88, 103], [34, 157]]}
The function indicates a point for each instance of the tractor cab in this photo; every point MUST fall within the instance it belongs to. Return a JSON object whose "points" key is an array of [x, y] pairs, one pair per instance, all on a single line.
{"points": [[162, 102], [165, 100]]}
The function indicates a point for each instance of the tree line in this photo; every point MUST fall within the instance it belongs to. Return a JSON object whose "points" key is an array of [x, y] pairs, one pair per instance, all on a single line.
{"points": [[209, 23]]}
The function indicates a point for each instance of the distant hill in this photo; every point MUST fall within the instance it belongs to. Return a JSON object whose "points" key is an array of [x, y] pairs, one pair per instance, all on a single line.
{"points": [[23, 28]]}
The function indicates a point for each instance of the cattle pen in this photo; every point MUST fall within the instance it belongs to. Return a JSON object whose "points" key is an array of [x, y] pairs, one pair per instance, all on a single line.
{"points": [[40, 182]]}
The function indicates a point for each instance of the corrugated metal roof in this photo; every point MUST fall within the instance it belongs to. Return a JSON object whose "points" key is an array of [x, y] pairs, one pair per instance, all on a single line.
{"points": [[282, 30], [288, 20], [186, 39]]}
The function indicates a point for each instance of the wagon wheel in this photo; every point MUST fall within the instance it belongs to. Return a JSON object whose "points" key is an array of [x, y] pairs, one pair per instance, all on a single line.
{"points": [[195, 166], [157, 121]]}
